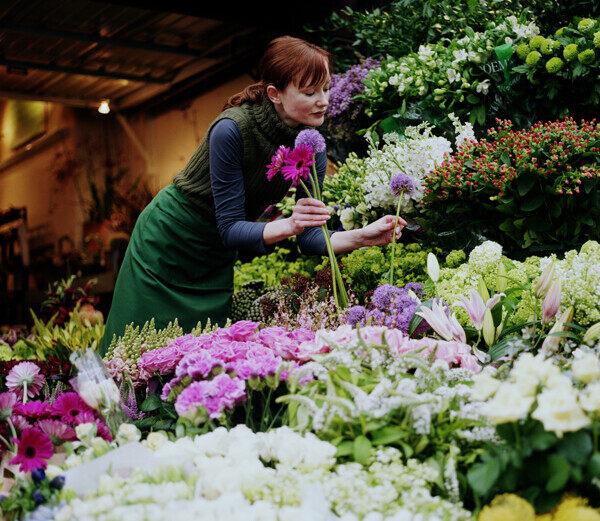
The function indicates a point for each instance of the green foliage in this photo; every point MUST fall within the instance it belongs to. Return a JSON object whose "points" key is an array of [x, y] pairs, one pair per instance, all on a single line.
{"points": [[22, 500], [367, 268], [536, 464], [271, 268], [58, 341], [404, 25], [564, 73]]}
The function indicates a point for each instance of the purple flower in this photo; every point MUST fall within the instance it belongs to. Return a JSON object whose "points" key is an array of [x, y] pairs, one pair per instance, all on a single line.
{"points": [[216, 395], [356, 315], [402, 184], [25, 375], [383, 295], [311, 138]]}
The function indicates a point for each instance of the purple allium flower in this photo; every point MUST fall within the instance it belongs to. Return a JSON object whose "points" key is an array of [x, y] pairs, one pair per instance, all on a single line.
{"points": [[311, 138], [222, 392], [383, 295], [415, 287], [356, 315], [402, 184]]}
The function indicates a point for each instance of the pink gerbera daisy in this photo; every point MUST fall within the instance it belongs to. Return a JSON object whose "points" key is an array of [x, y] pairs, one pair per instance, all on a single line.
{"points": [[69, 405], [277, 161], [34, 409], [20, 422], [25, 375], [58, 431], [33, 449], [297, 164], [7, 402]]}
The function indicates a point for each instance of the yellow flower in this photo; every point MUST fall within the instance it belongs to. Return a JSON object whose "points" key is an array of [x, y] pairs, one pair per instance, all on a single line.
{"points": [[544, 517], [507, 507], [575, 509]]}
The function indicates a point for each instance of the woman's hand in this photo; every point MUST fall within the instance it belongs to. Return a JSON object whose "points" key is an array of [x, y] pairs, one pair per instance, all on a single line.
{"points": [[308, 212], [381, 231]]}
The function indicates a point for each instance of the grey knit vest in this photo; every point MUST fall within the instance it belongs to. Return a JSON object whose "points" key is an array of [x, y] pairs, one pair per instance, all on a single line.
{"points": [[263, 131]]}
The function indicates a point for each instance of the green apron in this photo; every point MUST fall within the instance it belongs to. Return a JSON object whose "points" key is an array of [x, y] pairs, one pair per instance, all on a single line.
{"points": [[175, 266]]}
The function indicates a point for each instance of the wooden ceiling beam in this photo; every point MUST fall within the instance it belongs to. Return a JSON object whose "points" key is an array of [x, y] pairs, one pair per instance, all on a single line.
{"points": [[22, 64], [182, 50]]}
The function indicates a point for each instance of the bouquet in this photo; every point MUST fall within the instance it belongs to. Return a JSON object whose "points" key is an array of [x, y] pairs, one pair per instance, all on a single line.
{"points": [[297, 166]]}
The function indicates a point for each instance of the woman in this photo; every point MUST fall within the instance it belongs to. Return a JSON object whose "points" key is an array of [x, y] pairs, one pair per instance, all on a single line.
{"points": [[179, 262]]}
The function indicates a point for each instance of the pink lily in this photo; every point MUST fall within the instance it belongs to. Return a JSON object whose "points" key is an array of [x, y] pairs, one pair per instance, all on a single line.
{"points": [[445, 326], [551, 302], [476, 308]]}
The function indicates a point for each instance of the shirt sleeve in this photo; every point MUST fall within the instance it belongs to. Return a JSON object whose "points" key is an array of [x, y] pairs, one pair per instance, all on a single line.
{"points": [[227, 178], [311, 240]]}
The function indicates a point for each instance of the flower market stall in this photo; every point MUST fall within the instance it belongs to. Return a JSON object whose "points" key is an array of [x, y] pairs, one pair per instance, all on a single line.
{"points": [[454, 375]]}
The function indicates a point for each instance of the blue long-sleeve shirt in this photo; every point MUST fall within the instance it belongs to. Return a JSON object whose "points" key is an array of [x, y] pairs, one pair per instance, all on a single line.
{"points": [[227, 179]]}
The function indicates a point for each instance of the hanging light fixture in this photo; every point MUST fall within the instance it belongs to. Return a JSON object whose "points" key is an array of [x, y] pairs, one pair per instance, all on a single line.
{"points": [[104, 108]]}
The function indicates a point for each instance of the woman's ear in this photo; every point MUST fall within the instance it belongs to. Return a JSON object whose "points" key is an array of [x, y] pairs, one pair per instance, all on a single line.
{"points": [[273, 94]]}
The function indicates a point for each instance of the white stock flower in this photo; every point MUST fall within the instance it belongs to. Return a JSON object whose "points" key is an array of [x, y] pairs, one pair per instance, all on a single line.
{"points": [[86, 431], [559, 411], [453, 75]]}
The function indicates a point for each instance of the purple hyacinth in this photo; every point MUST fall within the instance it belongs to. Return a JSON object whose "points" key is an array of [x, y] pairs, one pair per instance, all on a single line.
{"points": [[402, 184], [416, 288], [311, 138], [356, 315], [345, 86]]}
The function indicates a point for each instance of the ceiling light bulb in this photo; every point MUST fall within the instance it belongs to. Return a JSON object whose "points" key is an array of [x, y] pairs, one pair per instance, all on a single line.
{"points": [[104, 108]]}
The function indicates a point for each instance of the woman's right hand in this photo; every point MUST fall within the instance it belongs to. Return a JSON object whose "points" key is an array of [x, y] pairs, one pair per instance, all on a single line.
{"points": [[308, 212]]}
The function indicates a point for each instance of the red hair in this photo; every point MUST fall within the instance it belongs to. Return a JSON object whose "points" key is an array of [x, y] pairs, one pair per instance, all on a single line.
{"points": [[287, 60]]}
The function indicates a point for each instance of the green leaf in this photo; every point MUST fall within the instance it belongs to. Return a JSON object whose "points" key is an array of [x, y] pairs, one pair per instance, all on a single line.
{"points": [[483, 476], [532, 203], [362, 450], [388, 435], [559, 471], [525, 183], [345, 448], [593, 466], [576, 447], [542, 439], [151, 403]]}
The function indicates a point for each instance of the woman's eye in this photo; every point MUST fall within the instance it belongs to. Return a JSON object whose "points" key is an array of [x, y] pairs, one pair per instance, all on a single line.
{"points": [[309, 93]]}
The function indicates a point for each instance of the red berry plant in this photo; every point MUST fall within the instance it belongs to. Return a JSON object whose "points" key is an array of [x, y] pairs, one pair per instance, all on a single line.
{"points": [[530, 190]]}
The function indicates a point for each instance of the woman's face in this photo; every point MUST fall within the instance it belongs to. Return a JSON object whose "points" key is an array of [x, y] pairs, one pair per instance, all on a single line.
{"points": [[301, 105]]}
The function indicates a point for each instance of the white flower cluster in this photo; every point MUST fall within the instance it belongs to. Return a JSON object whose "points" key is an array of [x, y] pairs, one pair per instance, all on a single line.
{"points": [[560, 403], [274, 476], [521, 30], [579, 273], [415, 155]]}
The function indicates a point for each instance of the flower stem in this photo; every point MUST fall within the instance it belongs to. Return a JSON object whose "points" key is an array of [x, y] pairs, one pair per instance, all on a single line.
{"points": [[394, 237]]}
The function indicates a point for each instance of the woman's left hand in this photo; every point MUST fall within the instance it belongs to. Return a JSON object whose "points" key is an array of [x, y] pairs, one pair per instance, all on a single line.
{"points": [[381, 231]]}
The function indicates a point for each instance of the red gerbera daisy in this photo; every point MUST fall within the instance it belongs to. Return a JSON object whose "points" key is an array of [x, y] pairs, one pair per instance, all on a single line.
{"points": [[33, 449], [297, 164], [69, 405]]}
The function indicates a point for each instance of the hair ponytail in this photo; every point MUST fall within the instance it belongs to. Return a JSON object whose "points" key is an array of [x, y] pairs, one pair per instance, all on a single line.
{"points": [[252, 94], [286, 60]]}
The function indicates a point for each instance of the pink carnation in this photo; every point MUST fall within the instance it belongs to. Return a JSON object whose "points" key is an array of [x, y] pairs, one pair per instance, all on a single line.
{"points": [[243, 330], [216, 395]]}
